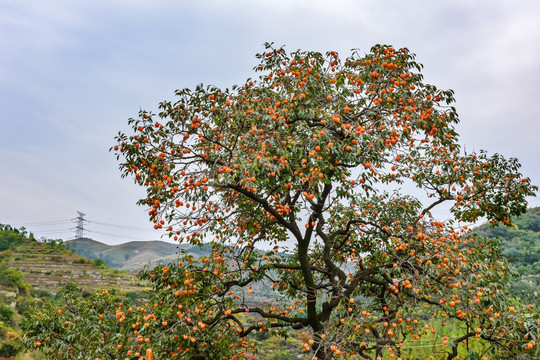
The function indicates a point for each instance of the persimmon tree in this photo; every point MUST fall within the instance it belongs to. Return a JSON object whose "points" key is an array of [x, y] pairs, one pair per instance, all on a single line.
{"points": [[107, 326], [82, 327], [320, 177]]}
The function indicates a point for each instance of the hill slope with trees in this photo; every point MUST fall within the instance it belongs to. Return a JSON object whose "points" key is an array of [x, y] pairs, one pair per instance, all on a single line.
{"points": [[36, 272], [521, 245]]}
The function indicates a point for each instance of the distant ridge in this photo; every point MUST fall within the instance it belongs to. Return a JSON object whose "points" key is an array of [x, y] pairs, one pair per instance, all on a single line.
{"points": [[133, 255]]}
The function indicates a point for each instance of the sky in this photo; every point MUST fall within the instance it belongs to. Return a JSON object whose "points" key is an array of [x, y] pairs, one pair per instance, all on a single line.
{"points": [[73, 72]]}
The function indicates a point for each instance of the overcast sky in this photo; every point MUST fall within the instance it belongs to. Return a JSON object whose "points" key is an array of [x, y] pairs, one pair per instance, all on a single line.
{"points": [[73, 72]]}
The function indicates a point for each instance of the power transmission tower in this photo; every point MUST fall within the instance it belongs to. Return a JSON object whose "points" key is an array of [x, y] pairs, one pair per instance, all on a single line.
{"points": [[79, 230]]}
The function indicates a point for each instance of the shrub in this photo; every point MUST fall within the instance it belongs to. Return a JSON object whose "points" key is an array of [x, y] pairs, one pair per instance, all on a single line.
{"points": [[9, 349], [6, 314], [99, 263]]}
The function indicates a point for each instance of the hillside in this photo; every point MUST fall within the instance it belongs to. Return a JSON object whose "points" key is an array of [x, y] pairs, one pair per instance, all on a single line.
{"points": [[130, 256], [33, 271], [521, 245], [49, 268]]}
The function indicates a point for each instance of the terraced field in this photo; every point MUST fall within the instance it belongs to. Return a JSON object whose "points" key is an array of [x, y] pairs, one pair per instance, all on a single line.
{"points": [[50, 269]]}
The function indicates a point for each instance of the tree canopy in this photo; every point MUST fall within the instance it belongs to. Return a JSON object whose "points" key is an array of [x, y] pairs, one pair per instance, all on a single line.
{"points": [[319, 178]]}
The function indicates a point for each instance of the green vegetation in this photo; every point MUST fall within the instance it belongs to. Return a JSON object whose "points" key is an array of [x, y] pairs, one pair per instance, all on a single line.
{"points": [[6, 314], [12, 287], [521, 245], [35, 273], [48, 264], [521, 242], [10, 277], [10, 237], [99, 263], [8, 349]]}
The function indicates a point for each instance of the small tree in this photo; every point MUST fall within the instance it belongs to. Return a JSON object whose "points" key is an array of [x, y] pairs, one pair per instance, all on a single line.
{"points": [[109, 326], [78, 328], [298, 180]]}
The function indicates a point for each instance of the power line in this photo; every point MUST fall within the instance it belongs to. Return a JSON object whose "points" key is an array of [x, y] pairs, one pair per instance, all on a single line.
{"points": [[51, 228], [120, 236], [55, 231], [81, 229], [121, 226], [46, 223]]}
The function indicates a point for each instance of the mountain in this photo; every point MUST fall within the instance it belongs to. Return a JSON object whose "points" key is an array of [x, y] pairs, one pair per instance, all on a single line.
{"points": [[131, 256]]}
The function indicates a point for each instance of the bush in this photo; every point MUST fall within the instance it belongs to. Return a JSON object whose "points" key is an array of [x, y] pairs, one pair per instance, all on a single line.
{"points": [[9, 238], [40, 293], [71, 287], [132, 295], [99, 263], [283, 355], [22, 306], [6, 314], [8, 349], [11, 277]]}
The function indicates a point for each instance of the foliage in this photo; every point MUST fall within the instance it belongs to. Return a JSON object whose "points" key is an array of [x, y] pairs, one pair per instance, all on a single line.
{"points": [[99, 263], [10, 236], [107, 326], [283, 355], [13, 238], [6, 314], [521, 242], [310, 163], [8, 349], [76, 328], [11, 277], [54, 243], [132, 295], [521, 245], [71, 287]]}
